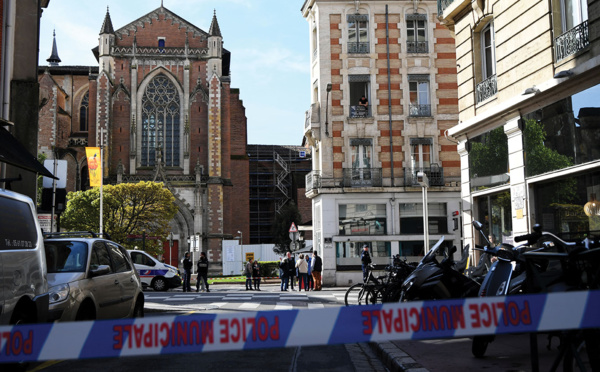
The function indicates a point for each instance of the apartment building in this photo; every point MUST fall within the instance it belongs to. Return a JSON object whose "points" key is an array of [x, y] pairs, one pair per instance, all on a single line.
{"points": [[528, 88], [384, 93]]}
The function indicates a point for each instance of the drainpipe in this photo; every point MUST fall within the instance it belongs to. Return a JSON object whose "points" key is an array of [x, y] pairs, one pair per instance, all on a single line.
{"points": [[387, 46]]}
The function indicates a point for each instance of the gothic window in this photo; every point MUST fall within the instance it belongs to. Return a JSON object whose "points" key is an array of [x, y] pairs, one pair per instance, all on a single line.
{"points": [[160, 122], [83, 112]]}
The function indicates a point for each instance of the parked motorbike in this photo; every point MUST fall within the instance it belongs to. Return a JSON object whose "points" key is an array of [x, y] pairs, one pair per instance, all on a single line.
{"points": [[433, 279]]}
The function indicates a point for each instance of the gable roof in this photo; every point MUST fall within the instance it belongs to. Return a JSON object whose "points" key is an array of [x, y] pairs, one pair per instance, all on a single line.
{"points": [[150, 17]]}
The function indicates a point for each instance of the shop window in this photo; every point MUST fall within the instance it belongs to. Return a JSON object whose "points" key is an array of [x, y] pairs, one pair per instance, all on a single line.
{"points": [[494, 212], [411, 218], [362, 219], [348, 253], [488, 159], [563, 134]]}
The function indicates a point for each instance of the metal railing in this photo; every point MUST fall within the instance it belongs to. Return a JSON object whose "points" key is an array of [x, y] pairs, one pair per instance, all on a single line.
{"points": [[443, 4], [435, 175], [362, 177], [358, 47], [417, 47], [419, 110], [486, 89], [572, 41], [360, 111]]}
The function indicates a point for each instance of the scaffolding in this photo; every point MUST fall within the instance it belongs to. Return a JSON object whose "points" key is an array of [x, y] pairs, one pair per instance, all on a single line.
{"points": [[276, 173]]}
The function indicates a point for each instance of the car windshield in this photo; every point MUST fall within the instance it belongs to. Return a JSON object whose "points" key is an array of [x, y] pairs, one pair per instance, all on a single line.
{"points": [[66, 256]]}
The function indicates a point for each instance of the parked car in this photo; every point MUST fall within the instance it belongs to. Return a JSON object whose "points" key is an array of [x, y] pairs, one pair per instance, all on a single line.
{"points": [[23, 286], [90, 277], [154, 273]]}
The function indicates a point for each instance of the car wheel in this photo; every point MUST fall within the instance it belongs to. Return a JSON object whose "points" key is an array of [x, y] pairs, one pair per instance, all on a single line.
{"points": [[138, 310], [159, 284], [86, 312]]}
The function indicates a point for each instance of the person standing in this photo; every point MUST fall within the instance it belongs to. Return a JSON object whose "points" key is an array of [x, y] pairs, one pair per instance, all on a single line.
{"points": [[317, 267], [202, 267], [187, 272], [248, 273], [365, 259], [291, 265], [302, 266], [283, 273], [311, 282], [256, 275]]}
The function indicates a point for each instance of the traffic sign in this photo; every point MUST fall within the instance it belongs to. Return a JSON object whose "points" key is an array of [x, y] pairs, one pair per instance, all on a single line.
{"points": [[293, 228]]}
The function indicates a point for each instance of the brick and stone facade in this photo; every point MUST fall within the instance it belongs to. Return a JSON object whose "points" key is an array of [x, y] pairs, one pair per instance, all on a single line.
{"points": [[196, 144]]}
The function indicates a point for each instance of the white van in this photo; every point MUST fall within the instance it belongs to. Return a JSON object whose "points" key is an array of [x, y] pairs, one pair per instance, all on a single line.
{"points": [[23, 281], [154, 273]]}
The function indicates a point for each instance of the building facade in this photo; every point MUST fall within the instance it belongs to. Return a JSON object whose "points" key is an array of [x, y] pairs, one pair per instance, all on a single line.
{"points": [[161, 102], [383, 89], [528, 83]]}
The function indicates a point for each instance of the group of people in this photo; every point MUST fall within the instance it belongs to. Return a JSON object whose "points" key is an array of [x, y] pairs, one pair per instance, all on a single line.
{"points": [[252, 272], [307, 269], [202, 270]]}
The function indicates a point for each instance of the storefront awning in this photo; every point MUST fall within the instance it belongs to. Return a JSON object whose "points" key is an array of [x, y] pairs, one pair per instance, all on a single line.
{"points": [[14, 153]]}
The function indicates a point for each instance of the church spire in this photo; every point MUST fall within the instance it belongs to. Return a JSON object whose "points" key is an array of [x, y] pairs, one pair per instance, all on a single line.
{"points": [[107, 27], [214, 26], [54, 60]]}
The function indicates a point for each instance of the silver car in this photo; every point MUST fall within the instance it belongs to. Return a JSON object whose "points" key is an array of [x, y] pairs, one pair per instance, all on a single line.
{"points": [[90, 278]]}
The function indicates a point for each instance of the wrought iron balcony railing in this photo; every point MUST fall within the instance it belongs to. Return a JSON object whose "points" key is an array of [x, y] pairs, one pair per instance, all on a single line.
{"points": [[486, 89], [572, 41], [443, 4], [358, 47], [434, 173], [417, 47], [362, 177], [360, 111], [419, 110]]}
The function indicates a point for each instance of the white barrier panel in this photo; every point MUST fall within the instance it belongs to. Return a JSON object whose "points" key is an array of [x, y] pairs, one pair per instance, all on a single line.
{"points": [[274, 329]]}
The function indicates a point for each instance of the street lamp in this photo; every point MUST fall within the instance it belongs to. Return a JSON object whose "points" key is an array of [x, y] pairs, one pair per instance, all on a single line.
{"points": [[423, 180], [329, 86], [170, 248]]}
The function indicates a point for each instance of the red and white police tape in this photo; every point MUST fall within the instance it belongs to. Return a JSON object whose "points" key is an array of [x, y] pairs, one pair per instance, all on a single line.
{"points": [[273, 329]]}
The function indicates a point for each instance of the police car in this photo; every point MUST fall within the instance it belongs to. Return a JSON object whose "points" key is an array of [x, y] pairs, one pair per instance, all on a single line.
{"points": [[154, 273]]}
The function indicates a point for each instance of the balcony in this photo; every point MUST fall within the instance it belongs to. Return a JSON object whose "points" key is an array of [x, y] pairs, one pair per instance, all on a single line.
{"points": [[313, 180], [417, 47], [442, 5], [572, 41], [362, 177], [358, 47], [360, 111], [434, 173], [486, 89], [416, 110]]}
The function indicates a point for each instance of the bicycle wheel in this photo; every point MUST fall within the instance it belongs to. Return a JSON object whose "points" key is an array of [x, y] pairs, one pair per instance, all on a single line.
{"points": [[356, 295]]}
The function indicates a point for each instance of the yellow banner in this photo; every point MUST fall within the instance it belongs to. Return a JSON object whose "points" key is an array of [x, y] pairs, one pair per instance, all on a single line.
{"points": [[94, 165]]}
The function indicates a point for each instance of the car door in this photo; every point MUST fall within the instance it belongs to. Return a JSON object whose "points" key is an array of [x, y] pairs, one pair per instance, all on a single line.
{"points": [[105, 288], [126, 276]]}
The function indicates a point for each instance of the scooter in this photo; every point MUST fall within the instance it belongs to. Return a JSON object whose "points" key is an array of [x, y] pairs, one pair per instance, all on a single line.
{"points": [[433, 280]]}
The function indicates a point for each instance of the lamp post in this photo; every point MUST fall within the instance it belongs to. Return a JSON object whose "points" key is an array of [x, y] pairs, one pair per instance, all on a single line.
{"points": [[423, 180], [170, 248], [242, 247]]}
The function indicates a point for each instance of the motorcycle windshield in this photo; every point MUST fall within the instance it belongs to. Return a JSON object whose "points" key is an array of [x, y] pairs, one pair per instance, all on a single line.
{"points": [[432, 252]]}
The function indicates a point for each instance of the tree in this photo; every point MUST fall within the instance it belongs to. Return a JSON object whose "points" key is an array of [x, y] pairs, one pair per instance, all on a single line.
{"points": [[281, 227], [129, 209]]}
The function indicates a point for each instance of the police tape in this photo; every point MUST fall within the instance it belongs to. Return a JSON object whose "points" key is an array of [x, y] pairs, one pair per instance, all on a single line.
{"points": [[288, 328]]}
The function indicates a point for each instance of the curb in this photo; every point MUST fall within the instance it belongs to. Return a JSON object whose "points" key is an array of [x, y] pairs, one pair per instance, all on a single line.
{"points": [[395, 359]]}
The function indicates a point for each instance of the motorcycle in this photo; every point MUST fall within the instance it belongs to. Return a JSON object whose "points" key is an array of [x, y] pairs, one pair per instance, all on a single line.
{"points": [[433, 280]]}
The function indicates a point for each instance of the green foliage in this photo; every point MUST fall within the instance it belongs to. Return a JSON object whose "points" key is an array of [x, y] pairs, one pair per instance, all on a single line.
{"points": [[40, 180], [129, 208], [283, 221]]}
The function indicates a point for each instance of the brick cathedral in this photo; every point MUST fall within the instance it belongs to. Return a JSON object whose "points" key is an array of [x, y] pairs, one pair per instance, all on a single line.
{"points": [[161, 102]]}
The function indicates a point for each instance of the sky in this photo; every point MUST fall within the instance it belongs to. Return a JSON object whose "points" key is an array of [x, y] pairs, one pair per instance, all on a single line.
{"points": [[268, 41]]}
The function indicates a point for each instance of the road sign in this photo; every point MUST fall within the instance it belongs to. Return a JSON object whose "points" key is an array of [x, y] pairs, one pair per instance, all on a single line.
{"points": [[293, 228]]}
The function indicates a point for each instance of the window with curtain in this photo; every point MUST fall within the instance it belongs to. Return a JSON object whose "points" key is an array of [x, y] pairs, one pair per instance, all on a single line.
{"points": [[84, 112], [420, 153], [160, 122]]}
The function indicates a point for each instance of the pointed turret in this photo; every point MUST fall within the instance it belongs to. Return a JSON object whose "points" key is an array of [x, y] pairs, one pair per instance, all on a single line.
{"points": [[214, 26], [107, 27], [54, 60]]}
